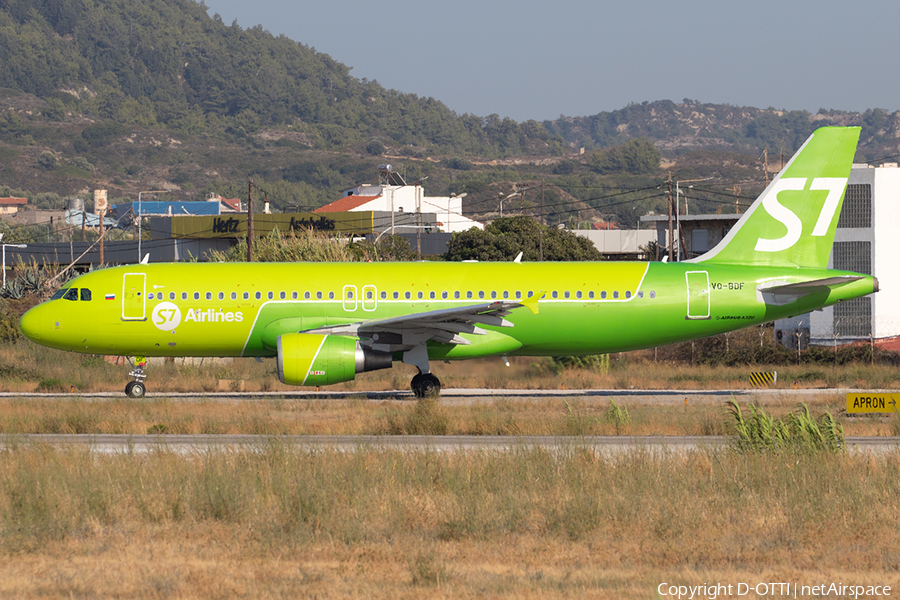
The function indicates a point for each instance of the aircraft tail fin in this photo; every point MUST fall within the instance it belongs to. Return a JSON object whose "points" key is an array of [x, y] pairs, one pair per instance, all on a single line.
{"points": [[793, 221]]}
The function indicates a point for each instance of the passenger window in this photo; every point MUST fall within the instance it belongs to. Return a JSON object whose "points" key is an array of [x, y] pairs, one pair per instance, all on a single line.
{"points": [[591, 295], [408, 295], [349, 295], [306, 295], [171, 295], [150, 295], [494, 294], [234, 295], [616, 294], [294, 295], [566, 294], [640, 294], [603, 294], [72, 294], [196, 295], [469, 294], [184, 295], [518, 295], [480, 294], [85, 295], [318, 295], [530, 293], [396, 295], [652, 294], [456, 294], [331, 295], [369, 295], [270, 295], [221, 295], [246, 295], [628, 294], [384, 295], [258, 295], [578, 294], [505, 295], [282, 295], [444, 295], [209, 295], [554, 294]]}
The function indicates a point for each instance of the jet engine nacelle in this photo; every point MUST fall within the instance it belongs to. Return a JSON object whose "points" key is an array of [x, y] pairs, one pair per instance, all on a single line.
{"points": [[321, 359]]}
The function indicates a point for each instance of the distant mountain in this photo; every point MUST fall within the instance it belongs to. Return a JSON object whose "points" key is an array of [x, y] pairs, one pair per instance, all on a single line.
{"points": [[678, 128], [130, 95], [167, 62]]}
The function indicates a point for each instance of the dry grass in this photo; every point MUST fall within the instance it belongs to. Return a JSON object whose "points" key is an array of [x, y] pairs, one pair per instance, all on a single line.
{"points": [[572, 416], [26, 367], [281, 523]]}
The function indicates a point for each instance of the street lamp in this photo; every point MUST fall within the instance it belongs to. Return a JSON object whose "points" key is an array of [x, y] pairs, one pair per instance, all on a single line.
{"points": [[139, 217], [504, 199], [4, 256]]}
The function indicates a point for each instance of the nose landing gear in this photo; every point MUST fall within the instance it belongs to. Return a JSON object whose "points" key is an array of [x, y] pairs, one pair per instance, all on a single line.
{"points": [[136, 388]]}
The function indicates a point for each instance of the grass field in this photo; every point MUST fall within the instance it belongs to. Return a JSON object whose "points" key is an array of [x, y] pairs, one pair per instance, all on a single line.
{"points": [[26, 367], [274, 522]]}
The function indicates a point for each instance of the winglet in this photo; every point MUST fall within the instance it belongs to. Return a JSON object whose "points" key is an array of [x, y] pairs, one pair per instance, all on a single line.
{"points": [[518, 259], [532, 303]]}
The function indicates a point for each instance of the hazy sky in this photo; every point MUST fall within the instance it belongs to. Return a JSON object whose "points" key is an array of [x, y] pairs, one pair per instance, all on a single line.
{"points": [[530, 59]]}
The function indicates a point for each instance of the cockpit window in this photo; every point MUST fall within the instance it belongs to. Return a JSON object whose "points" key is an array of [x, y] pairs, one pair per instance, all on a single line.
{"points": [[72, 294], [59, 293], [85, 294]]}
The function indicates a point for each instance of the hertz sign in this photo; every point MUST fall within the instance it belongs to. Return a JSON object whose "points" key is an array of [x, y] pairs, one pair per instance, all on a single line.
{"points": [[235, 225]]}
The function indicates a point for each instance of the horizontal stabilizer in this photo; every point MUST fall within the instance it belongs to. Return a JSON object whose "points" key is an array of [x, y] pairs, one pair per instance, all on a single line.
{"points": [[779, 295]]}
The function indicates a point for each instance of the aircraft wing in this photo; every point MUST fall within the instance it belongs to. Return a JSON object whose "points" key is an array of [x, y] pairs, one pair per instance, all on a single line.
{"points": [[780, 295], [443, 325]]}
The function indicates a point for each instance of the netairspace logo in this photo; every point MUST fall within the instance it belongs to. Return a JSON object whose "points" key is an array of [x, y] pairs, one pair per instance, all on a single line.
{"points": [[711, 591]]}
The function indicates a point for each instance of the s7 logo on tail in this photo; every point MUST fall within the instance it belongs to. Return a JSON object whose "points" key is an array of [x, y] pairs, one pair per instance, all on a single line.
{"points": [[835, 188]]}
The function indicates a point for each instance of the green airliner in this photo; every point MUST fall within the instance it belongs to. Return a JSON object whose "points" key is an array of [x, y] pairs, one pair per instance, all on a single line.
{"points": [[326, 322]]}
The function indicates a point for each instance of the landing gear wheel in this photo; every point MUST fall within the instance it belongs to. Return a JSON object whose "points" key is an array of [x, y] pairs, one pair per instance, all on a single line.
{"points": [[426, 385], [135, 389]]}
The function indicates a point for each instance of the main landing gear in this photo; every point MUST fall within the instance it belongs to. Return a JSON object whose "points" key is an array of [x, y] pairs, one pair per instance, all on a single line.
{"points": [[136, 388], [426, 385]]}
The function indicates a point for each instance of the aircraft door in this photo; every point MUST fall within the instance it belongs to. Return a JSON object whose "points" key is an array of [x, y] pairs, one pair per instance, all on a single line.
{"points": [[370, 297], [349, 298], [698, 302], [134, 297]]}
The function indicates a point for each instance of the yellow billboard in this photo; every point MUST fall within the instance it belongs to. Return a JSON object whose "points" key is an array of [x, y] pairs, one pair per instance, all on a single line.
{"points": [[235, 225]]}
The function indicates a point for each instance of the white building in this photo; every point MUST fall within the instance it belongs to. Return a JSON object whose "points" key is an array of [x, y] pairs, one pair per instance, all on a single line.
{"points": [[394, 195], [867, 241]]}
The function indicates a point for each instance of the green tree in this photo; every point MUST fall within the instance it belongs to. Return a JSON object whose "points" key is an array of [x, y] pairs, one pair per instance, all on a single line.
{"points": [[634, 156], [503, 239]]}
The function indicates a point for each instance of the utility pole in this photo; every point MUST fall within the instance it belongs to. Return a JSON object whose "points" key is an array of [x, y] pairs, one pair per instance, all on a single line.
{"points": [[737, 196], [541, 236], [766, 165], [671, 233], [417, 190], [250, 222]]}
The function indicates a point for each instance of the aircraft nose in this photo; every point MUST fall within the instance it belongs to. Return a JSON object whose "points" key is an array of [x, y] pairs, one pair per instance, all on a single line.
{"points": [[30, 323]]}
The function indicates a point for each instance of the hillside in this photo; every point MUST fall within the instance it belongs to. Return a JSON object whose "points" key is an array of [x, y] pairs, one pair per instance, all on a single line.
{"points": [[158, 95], [679, 128]]}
